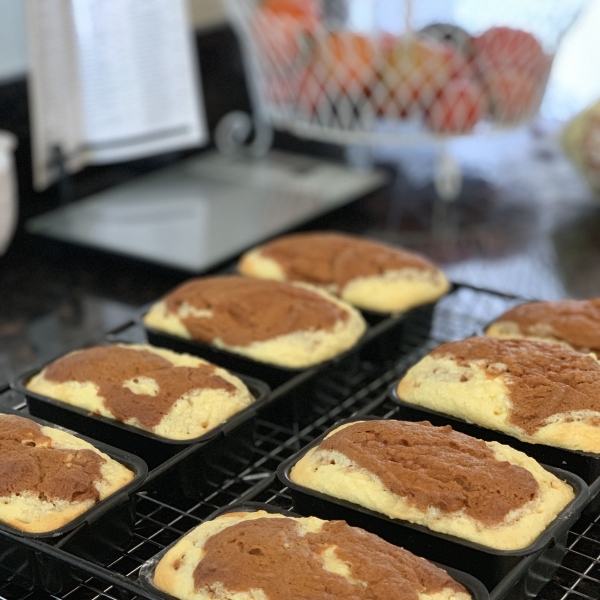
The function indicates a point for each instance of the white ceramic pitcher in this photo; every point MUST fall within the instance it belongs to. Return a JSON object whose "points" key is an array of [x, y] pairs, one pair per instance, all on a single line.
{"points": [[8, 189]]}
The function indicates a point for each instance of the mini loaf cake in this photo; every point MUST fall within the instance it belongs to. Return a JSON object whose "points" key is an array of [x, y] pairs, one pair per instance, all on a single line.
{"points": [[364, 273], [572, 323], [452, 483], [176, 396], [49, 477], [537, 392], [279, 323], [263, 556]]}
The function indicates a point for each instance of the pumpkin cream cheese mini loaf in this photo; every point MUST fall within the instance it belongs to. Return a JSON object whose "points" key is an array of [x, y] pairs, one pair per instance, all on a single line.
{"points": [[176, 396], [484, 492], [367, 274], [50, 477], [537, 392], [572, 323], [269, 321], [263, 556]]}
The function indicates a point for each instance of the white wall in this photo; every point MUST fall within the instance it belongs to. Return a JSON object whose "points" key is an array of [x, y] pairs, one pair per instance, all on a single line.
{"points": [[575, 82], [13, 46]]}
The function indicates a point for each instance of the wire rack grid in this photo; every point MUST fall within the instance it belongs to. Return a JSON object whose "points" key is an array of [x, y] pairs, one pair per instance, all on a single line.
{"points": [[163, 517]]}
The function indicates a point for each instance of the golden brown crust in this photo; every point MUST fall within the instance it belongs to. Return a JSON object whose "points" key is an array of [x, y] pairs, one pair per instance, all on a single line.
{"points": [[537, 392], [331, 472], [29, 512], [291, 325], [574, 323], [253, 556], [367, 274], [173, 395]]}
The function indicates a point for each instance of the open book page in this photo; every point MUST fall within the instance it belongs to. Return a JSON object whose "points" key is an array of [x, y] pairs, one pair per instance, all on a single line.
{"points": [[132, 86]]}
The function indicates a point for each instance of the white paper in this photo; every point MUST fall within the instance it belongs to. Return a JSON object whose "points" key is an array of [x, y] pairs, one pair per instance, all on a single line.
{"points": [[54, 99], [112, 80]]}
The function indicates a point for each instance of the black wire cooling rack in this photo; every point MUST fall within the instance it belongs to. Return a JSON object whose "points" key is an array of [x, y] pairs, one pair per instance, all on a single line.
{"points": [[338, 394]]}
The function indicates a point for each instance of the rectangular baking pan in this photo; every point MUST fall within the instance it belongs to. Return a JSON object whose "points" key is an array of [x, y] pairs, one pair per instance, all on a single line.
{"points": [[154, 449], [584, 464], [196, 470], [381, 341], [421, 315], [99, 535], [390, 332], [146, 576], [281, 379], [499, 570]]}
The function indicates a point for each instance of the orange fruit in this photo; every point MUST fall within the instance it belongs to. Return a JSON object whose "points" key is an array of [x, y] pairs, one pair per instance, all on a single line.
{"points": [[302, 10], [348, 60], [283, 31]]}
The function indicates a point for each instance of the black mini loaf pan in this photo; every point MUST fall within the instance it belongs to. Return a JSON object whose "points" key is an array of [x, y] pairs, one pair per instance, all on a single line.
{"points": [[422, 314], [281, 379], [584, 464], [501, 571], [381, 341], [146, 576], [154, 449], [390, 333], [99, 535]]}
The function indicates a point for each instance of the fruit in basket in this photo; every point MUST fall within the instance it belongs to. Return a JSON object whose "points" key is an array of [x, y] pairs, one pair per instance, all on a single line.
{"points": [[311, 91], [301, 10], [503, 48], [344, 66], [458, 108], [284, 37], [513, 96], [513, 69], [445, 33], [284, 31], [349, 59], [416, 71]]}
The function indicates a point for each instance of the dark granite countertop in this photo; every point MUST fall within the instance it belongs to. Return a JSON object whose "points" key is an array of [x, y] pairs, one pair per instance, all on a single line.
{"points": [[528, 226]]}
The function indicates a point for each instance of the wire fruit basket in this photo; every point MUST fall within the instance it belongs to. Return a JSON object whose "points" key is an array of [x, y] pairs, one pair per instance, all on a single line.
{"points": [[389, 71]]}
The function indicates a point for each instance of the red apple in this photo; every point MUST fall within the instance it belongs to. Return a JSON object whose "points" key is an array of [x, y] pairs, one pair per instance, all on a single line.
{"points": [[507, 48], [311, 91], [512, 95], [503, 48], [458, 108]]}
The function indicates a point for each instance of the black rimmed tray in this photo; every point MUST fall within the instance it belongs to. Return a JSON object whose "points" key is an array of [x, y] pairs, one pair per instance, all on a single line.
{"points": [[154, 449], [506, 574], [97, 535], [473, 586], [584, 464]]}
